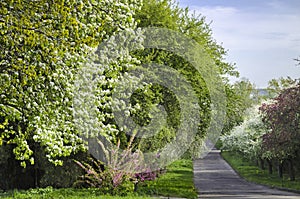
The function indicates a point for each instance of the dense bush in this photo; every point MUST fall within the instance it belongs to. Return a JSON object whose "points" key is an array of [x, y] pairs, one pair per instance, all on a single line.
{"points": [[60, 176], [42, 174]]}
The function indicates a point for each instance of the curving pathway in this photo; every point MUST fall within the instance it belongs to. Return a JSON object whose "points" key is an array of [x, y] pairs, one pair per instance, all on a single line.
{"points": [[214, 178]]}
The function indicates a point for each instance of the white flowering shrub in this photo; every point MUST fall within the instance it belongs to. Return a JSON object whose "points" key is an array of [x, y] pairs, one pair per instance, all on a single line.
{"points": [[247, 137]]}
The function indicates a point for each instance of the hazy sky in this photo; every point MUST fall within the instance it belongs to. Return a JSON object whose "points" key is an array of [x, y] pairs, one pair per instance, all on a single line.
{"points": [[262, 36]]}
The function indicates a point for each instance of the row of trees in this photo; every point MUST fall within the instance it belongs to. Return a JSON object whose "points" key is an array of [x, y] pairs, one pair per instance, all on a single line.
{"points": [[45, 44], [270, 131]]}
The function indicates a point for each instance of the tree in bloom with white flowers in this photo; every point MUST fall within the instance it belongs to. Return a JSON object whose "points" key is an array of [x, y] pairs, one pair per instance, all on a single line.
{"points": [[43, 44], [247, 137]]}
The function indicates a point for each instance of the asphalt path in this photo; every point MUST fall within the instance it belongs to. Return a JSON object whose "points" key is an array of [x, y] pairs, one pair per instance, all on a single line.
{"points": [[214, 178]]}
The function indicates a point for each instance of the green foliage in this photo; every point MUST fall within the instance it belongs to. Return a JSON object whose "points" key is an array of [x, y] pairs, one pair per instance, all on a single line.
{"points": [[42, 174], [167, 14], [162, 13], [158, 141], [275, 86], [44, 43], [238, 101], [44, 48], [58, 176]]}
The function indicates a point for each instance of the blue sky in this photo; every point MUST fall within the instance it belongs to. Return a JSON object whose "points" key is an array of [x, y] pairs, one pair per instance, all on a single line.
{"points": [[262, 36]]}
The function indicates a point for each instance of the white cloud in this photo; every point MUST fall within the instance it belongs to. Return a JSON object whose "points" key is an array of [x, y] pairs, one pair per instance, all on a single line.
{"points": [[257, 41], [215, 11], [243, 30]]}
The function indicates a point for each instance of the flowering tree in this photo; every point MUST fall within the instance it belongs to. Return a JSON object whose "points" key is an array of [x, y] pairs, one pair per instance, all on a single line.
{"points": [[283, 119], [43, 44], [45, 47], [247, 137]]}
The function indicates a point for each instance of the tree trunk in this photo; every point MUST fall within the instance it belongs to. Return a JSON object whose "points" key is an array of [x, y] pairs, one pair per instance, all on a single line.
{"points": [[280, 169], [270, 166], [262, 163], [291, 170], [256, 162]]}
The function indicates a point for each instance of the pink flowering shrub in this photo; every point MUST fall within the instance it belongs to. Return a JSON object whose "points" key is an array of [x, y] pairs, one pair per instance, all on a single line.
{"points": [[121, 174]]}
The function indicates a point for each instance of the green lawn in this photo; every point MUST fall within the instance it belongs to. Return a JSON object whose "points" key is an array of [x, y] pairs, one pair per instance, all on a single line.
{"points": [[49, 193], [177, 182], [252, 173]]}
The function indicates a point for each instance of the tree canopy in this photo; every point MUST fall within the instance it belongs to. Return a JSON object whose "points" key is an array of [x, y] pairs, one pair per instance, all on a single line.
{"points": [[45, 44]]}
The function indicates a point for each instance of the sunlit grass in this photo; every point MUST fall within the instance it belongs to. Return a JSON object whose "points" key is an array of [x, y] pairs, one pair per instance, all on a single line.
{"points": [[69, 193], [252, 173], [177, 182]]}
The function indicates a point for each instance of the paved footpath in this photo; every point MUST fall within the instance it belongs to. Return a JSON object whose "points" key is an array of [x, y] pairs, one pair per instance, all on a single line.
{"points": [[214, 178]]}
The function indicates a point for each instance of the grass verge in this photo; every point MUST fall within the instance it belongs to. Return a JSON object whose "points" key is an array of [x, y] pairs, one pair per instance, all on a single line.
{"points": [[69, 193], [177, 182], [252, 173]]}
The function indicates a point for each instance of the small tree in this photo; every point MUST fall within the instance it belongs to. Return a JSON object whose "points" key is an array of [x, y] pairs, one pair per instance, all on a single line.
{"points": [[283, 119]]}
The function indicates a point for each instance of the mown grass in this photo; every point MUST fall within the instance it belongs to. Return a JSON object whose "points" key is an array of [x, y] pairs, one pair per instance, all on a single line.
{"points": [[49, 193], [177, 182], [253, 173]]}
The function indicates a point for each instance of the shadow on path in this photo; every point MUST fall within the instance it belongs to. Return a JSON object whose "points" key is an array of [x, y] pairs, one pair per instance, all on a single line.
{"points": [[214, 178]]}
